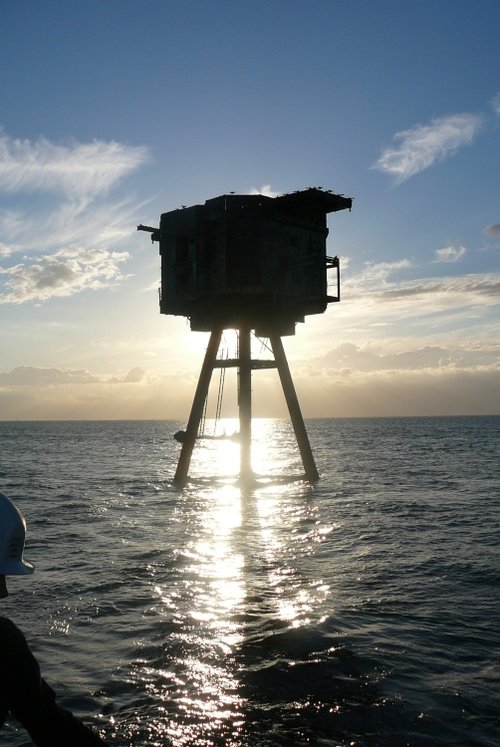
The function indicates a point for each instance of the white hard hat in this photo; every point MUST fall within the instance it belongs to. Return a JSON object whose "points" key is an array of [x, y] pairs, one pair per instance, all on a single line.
{"points": [[12, 534]]}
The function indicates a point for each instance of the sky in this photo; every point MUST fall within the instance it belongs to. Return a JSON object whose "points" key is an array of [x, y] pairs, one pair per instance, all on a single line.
{"points": [[114, 111]]}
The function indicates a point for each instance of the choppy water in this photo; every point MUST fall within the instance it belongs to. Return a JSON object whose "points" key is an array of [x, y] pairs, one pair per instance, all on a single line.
{"points": [[361, 611]]}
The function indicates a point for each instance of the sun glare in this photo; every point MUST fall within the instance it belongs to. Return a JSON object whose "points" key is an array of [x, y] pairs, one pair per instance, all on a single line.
{"points": [[274, 452]]}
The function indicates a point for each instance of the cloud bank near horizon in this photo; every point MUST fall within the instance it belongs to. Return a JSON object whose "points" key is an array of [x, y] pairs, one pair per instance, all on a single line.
{"points": [[431, 381], [38, 376]]}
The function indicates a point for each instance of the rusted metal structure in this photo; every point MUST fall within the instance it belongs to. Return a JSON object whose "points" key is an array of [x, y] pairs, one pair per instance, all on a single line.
{"points": [[250, 263]]}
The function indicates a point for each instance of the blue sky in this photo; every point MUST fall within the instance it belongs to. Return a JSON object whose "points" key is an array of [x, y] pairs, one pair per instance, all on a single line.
{"points": [[115, 111]]}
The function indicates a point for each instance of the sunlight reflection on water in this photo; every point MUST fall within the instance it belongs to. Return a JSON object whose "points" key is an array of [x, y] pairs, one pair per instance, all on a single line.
{"points": [[274, 450], [237, 575], [212, 582]]}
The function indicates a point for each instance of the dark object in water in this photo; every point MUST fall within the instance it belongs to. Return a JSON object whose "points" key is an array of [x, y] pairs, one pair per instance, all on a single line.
{"points": [[180, 436], [223, 436]]}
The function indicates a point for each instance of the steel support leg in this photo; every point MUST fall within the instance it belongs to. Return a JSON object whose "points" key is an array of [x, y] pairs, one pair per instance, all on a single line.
{"points": [[245, 402], [182, 470], [299, 427]]}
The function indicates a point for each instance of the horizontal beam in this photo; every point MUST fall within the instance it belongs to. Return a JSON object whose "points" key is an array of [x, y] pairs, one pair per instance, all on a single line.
{"points": [[235, 362]]}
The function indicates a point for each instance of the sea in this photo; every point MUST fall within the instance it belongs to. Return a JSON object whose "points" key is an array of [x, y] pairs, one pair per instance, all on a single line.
{"points": [[360, 610]]}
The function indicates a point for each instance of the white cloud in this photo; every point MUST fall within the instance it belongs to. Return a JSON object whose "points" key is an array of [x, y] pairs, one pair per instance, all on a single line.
{"points": [[376, 275], [424, 145], [62, 274], [11, 222], [92, 224], [377, 283], [434, 292], [60, 245], [424, 305], [264, 190], [78, 169], [450, 254]]}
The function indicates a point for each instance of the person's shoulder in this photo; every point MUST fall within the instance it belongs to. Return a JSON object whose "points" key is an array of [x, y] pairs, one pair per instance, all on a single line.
{"points": [[6, 623], [9, 631], [13, 644]]}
